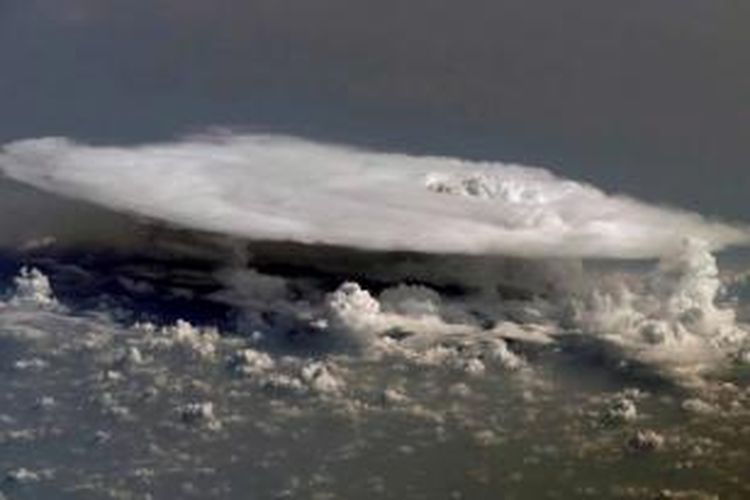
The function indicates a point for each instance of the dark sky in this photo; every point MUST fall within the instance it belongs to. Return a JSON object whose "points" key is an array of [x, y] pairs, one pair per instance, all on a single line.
{"points": [[647, 97]]}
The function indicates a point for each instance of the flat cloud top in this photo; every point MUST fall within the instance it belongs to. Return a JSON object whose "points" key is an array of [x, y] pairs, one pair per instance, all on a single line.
{"points": [[267, 187]]}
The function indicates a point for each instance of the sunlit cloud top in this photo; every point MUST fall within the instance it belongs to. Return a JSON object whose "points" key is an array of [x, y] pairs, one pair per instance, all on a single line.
{"points": [[266, 187]]}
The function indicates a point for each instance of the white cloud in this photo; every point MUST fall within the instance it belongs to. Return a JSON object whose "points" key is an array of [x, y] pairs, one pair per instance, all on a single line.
{"points": [[279, 188], [674, 320]]}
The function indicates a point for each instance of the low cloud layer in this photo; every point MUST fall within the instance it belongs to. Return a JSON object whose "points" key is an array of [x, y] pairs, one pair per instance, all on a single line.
{"points": [[265, 187]]}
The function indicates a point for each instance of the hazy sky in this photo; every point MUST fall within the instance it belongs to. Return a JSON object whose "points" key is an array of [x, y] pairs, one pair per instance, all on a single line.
{"points": [[647, 97]]}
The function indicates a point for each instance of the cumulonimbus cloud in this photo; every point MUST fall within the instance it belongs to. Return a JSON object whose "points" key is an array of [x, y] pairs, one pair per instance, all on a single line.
{"points": [[266, 187]]}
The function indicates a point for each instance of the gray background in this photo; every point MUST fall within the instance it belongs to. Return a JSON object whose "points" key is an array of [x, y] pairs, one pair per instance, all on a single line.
{"points": [[651, 98]]}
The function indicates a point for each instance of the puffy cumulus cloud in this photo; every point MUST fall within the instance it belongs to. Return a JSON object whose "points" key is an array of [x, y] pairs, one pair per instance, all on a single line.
{"points": [[673, 319], [267, 187], [411, 322], [33, 287], [420, 333]]}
